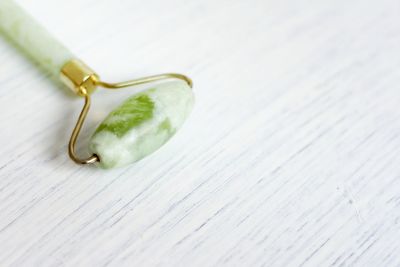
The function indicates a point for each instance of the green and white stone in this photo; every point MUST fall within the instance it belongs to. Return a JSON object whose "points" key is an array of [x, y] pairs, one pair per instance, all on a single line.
{"points": [[142, 124], [32, 38]]}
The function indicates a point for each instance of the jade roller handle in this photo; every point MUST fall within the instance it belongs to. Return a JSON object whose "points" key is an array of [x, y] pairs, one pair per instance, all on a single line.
{"points": [[32, 38]]}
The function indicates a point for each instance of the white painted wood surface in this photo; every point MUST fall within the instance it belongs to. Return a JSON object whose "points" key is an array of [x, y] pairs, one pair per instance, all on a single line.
{"points": [[290, 158]]}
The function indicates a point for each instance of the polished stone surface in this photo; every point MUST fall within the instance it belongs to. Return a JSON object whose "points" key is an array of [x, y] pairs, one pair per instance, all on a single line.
{"points": [[142, 124]]}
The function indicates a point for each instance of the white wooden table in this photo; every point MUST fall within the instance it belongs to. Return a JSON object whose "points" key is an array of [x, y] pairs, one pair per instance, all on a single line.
{"points": [[290, 158]]}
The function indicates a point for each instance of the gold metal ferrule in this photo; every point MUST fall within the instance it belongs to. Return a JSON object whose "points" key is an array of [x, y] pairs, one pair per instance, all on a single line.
{"points": [[82, 80], [77, 76]]}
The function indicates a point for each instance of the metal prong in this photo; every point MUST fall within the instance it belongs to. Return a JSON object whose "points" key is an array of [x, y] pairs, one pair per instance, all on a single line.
{"points": [[76, 131], [144, 80]]}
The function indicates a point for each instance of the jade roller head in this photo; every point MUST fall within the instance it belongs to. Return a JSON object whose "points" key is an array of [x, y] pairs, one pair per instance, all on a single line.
{"points": [[134, 129], [137, 127]]}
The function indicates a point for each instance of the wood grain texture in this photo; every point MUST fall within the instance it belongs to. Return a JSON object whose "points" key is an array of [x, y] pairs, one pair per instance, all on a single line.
{"points": [[290, 158]]}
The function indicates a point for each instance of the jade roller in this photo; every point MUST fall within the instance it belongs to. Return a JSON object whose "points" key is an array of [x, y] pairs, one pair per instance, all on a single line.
{"points": [[133, 130]]}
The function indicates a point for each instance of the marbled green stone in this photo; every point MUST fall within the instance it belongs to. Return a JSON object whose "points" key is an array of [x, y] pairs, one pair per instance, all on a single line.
{"points": [[142, 124], [131, 113]]}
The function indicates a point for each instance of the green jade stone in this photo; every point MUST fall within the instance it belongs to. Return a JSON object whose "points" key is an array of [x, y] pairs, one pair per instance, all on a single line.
{"points": [[20, 27], [142, 124]]}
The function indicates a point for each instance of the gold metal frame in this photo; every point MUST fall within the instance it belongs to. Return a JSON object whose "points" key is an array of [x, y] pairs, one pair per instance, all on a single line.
{"points": [[83, 81]]}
